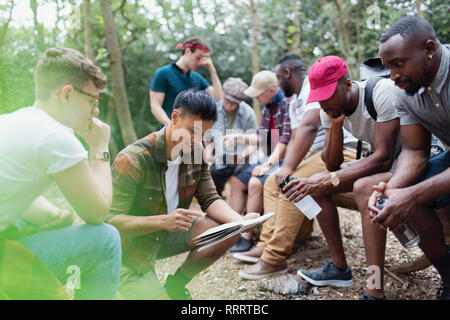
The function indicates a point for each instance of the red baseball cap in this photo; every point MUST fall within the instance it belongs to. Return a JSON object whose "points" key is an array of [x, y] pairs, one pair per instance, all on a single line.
{"points": [[323, 77]]}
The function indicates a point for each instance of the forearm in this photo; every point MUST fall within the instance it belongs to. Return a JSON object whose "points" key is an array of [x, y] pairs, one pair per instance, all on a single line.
{"points": [[41, 211], [277, 154], [411, 165], [217, 92], [221, 212], [375, 163], [160, 114], [299, 145], [332, 153], [427, 191], [135, 226], [101, 169]]}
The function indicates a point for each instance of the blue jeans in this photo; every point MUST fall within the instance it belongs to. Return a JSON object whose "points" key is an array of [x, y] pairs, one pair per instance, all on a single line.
{"points": [[438, 164], [94, 250]]}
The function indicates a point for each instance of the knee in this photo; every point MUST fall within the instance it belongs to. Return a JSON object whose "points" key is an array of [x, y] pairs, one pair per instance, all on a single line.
{"points": [[254, 185], [105, 235], [362, 188]]}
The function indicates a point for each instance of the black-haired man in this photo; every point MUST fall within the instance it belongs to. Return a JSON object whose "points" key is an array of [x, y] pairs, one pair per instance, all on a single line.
{"points": [[419, 65], [154, 181]]}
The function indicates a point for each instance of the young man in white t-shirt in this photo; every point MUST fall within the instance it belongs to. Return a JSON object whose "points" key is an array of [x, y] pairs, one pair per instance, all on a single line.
{"points": [[37, 146], [343, 106]]}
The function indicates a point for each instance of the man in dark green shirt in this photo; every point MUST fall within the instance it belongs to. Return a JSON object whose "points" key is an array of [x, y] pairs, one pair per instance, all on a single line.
{"points": [[171, 79]]}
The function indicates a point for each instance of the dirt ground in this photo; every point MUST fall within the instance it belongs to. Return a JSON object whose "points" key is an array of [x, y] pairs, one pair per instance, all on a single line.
{"points": [[221, 280]]}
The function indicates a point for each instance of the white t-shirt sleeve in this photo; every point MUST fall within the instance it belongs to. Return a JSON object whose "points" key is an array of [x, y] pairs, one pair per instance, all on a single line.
{"points": [[384, 100], [60, 151]]}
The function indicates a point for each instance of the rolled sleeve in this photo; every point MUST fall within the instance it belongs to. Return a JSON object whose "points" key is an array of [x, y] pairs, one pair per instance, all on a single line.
{"points": [[206, 192]]}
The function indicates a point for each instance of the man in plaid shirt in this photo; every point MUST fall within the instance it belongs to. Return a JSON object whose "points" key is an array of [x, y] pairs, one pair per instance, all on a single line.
{"points": [[273, 131], [154, 181]]}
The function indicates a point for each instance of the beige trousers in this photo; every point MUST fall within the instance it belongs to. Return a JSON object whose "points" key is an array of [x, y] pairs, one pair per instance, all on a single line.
{"points": [[289, 224]]}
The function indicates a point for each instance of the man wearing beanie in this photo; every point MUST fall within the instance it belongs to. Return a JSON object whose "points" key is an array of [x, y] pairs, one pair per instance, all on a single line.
{"points": [[233, 115]]}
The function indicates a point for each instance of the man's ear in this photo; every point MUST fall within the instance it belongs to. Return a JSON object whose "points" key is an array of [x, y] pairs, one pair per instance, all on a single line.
{"points": [[287, 72], [347, 84], [65, 92], [175, 115], [430, 48]]}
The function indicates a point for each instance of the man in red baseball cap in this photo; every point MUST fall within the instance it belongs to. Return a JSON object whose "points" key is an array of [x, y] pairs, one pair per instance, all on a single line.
{"points": [[344, 107]]}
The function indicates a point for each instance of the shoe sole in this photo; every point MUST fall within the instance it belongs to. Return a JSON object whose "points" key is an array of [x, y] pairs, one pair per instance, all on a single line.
{"points": [[245, 258], [260, 276], [334, 283]]}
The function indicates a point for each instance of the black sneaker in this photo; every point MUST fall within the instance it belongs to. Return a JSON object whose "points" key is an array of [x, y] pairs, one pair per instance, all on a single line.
{"points": [[367, 297], [242, 245], [328, 275], [443, 293]]}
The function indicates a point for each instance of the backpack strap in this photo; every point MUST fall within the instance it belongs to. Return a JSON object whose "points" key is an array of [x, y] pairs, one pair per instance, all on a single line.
{"points": [[368, 101], [368, 96]]}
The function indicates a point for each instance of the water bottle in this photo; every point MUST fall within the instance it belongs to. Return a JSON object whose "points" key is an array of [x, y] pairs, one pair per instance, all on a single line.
{"points": [[307, 205], [406, 235]]}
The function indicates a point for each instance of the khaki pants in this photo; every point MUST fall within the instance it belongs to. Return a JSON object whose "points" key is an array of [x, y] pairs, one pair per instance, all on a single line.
{"points": [[289, 224]]}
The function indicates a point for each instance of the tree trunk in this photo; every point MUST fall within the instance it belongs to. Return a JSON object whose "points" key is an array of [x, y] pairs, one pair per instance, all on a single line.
{"points": [[419, 11], [118, 81], [297, 35], [255, 52], [6, 25], [87, 31], [39, 36]]}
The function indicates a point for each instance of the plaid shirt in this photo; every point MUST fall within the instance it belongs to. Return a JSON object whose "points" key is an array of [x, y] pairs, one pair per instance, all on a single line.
{"points": [[139, 188], [278, 109]]}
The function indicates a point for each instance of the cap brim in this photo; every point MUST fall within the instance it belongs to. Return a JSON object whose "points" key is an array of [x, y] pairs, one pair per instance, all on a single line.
{"points": [[322, 93], [252, 92]]}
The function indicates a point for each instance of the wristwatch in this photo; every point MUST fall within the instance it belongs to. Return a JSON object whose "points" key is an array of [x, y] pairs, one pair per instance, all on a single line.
{"points": [[334, 179], [101, 156]]}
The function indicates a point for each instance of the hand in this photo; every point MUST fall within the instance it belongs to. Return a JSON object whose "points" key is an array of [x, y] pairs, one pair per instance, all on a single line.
{"points": [[63, 219], [261, 169], [281, 174], [97, 135], [207, 62], [251, 215], [180, 219], [339, 121], [208, 156], [317, 184], [400, 206]]}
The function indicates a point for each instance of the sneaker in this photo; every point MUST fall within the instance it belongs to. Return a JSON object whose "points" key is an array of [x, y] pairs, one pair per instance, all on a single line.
{"points": [[262, 270], [242, 245], [252, 255], [443, 293], [367, 297], [328, 275]]}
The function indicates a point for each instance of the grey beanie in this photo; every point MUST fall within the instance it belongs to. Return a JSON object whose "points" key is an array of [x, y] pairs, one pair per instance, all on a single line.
{"points": [[233, 89]]}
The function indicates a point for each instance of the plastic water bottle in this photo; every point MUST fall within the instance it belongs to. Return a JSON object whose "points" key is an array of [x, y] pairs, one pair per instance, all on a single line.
{"points": [[406, 235], [307, 205]]}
